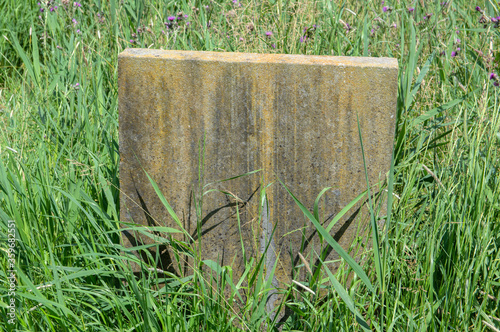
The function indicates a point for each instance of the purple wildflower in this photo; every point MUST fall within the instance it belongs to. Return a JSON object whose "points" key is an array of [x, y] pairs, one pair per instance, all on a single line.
{"points": [[496, 83], [77, 4], [394, 25], [478, 9], [303, 39], [132, 41], [241, 39], [76, 86], [384, 9], [273, 45], [269, 33], [493, 76], [75, 22], [188, 23], [171, 18], [372, 31], [411, 9], [458, 49], [453, 54], [39, 4], [78, 31], [458, 41]]}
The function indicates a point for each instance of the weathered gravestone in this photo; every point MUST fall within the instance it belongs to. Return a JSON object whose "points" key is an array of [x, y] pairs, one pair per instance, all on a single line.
{"points": [[293, 116]]}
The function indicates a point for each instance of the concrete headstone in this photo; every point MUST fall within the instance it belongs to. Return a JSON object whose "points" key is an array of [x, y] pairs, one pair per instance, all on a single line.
{"points": [[295, 117]]}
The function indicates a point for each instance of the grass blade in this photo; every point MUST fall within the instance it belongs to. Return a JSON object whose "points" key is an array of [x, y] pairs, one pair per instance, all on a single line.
{"points": [[334, 244]]}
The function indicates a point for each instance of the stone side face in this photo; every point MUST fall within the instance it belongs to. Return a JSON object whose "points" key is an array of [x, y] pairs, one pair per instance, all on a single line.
{"points": [[292, 116]]}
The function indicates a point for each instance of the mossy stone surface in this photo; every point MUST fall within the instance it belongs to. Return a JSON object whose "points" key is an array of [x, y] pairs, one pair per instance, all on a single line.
{"points": [[295, 117]]}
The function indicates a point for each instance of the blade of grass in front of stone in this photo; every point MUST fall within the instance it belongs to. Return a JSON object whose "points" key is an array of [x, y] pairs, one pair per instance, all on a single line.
{"points": [[329, 239]]}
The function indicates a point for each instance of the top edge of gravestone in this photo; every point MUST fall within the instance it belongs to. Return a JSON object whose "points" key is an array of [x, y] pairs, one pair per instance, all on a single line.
{"points": [[260, 58]]}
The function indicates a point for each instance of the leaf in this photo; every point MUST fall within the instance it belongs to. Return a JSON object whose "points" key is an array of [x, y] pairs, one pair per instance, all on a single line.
{"points": [[168, 207], [422, 74], [346, 298], [27, 63], [439, 109], [334, 244], [344, 211], [316, 202], [375, 237]]}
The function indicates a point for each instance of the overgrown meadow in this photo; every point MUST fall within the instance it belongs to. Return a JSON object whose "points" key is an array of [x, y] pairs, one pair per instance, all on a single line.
{"points": [[435, 265]]}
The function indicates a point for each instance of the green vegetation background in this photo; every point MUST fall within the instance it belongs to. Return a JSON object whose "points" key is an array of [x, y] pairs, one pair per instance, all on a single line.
{"points": [[438, 263]]}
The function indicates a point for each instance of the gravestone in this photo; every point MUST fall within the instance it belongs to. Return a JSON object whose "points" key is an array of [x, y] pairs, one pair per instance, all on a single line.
{"points": [[192, 118]]}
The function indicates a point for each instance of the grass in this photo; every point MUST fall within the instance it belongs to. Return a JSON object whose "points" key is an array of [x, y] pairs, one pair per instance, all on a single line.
{"points": [[439, 258]]}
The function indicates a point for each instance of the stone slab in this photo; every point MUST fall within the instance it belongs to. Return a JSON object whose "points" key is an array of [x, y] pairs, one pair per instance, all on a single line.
{"points": [[292, 116]]}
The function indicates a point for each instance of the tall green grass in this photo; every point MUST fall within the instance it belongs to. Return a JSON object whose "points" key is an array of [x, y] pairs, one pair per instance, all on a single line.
{"points": [[435, 265]]}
